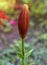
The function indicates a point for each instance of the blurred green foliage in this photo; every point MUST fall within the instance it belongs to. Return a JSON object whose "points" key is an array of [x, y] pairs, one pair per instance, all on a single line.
{"points": [[37, 7], [38, 57]]}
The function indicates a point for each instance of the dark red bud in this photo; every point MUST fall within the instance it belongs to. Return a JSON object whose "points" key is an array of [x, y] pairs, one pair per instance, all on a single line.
{"points": [[23, 21]]}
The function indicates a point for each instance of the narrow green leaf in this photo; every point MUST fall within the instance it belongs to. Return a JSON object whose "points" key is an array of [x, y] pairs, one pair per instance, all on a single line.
{"points": [[28, 53]]}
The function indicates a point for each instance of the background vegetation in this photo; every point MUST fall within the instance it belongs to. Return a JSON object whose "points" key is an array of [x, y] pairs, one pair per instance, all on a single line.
{"points": [[36, 37]]}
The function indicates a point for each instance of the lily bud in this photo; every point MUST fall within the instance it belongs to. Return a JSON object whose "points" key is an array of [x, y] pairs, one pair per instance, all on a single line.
{"points": [[23, 21]]}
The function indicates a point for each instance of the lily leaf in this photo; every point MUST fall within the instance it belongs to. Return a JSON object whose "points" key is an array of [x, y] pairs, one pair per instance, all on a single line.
{"points": [[28, 53]]}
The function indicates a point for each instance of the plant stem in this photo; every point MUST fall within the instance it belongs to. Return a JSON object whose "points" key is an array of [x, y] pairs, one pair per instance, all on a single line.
{"points": [[23, 51]]}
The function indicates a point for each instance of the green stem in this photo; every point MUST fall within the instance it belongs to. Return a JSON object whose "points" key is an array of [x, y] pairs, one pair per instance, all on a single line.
{"points": [[23, 51]]}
